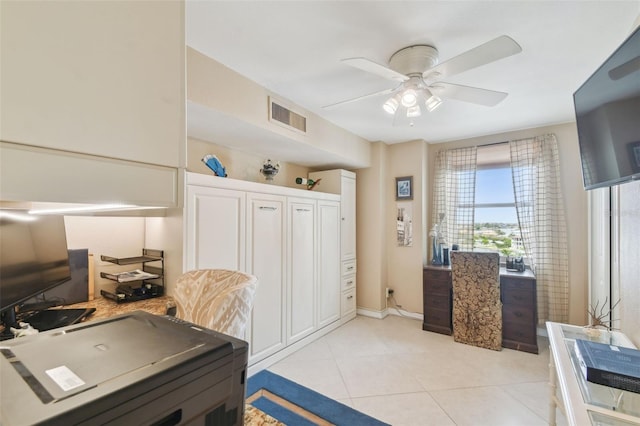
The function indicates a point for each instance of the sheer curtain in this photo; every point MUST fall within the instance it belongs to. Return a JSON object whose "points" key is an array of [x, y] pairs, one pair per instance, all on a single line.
{"points": [[536, 182], [454, 195]]}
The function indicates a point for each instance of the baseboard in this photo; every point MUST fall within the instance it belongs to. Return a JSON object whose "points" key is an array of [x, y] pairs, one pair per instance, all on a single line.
{"points": [[372, 314], [403, 313]]}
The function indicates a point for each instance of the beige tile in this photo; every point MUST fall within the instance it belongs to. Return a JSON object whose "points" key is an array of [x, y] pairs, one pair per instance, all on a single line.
{"points": [[536, 397], [481, 406], [407, 409], [323, 376]]}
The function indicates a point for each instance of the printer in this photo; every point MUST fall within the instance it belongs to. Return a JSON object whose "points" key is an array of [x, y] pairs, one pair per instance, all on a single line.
{"points": [[135, 368]]}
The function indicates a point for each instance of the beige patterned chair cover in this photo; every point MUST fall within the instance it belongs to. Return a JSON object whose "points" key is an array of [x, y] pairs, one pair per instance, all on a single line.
{"points": [[217, 299], [477, 310]]}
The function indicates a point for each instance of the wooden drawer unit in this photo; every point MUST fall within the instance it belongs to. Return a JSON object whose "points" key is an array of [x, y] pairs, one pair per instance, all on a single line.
{"points": [[436, 292], [519, 313]]}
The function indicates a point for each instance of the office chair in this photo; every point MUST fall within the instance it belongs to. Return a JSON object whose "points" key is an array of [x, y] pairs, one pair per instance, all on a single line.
{"points": [[477, 309], [217, 299]]}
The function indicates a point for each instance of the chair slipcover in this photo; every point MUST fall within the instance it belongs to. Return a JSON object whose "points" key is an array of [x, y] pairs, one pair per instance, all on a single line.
{"points": [[477, 309], [217, 299]]}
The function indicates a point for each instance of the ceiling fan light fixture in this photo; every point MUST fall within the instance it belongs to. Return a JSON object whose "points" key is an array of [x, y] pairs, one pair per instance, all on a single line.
{"points": [[391, 105], [414, 111], [409, 98], [433, 102]]}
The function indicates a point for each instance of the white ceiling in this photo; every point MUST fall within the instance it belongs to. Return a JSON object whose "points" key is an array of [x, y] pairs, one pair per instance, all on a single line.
{"points": [[294, 48]]}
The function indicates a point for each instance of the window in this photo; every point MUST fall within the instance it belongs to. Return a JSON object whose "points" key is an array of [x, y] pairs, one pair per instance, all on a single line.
{"points": [[495, 216]]}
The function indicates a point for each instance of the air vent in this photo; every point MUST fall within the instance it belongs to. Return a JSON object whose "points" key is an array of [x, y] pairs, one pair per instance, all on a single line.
{"points": [[283, 116]]}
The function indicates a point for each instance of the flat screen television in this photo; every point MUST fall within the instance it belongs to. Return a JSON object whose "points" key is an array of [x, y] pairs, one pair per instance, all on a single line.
{"points": [[33, 258], [607, 110]]}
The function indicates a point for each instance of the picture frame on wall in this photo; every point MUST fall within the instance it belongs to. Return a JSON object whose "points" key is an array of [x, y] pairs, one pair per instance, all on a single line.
{"points": [[404, 188]]}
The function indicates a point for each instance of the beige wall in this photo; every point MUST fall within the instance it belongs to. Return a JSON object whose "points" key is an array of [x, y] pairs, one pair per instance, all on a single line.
{"points": [[575, 204], [240, 165]]}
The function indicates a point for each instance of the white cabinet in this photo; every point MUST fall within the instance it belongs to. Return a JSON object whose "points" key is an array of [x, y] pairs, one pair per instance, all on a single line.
{"points": [[100, 78], [266, 252], [301, 266], [288, 238], [343, 182], [216, 228], [329, 286]]}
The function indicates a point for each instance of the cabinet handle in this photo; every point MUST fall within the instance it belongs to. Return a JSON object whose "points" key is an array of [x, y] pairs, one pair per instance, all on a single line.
{"points": [[350, 282], [518, 314], [267, 208], [303, 210], [349, 297], [349, 268]]}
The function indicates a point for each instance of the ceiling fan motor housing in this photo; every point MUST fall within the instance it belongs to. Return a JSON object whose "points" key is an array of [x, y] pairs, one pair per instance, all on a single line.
{"points": [[414, 60]]}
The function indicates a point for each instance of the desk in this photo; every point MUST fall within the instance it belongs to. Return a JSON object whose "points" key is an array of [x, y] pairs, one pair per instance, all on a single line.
{"points": [[584, 402], [519, 305], [106, 308]]}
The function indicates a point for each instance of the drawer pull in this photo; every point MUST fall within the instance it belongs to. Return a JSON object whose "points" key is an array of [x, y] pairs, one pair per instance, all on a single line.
{"points": [[303, 210], [350, 297], [349, 268], [267, 208], [349, 282], [518, 314]]}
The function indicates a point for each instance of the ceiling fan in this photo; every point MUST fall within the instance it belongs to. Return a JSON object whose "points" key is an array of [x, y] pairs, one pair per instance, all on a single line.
{"points": [[419, 75]]}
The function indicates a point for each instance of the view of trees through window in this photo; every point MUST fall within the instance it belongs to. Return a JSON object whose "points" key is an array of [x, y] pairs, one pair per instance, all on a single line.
{"points": [[495, 217]]}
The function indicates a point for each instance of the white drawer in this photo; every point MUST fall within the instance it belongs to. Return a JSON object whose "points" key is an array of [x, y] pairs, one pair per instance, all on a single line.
{"points": [[348, 305], [348, 282], [349, 267]]}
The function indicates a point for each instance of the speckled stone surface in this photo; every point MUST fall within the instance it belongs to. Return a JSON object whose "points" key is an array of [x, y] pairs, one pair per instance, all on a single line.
{"points": [[106, 308]]}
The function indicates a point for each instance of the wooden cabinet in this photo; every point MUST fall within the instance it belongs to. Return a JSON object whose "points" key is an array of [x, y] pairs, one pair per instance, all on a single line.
{"points": [[519, 312], [437, 299], [343, 182]]}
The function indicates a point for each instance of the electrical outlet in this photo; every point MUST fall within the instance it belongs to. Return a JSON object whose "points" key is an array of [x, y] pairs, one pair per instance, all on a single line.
{"points": [[389, 292]]}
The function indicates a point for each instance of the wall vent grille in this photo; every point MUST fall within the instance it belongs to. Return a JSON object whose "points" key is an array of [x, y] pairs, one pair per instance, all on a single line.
{"points": [[282, 115]]}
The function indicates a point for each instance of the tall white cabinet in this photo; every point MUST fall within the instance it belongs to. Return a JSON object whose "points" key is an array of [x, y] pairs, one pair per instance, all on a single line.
{"points": [[343, 182], [289, 238]]}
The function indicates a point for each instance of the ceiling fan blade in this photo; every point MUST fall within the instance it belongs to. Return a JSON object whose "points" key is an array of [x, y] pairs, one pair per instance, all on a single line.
{"points": [[474, 95], [488, 52], [367, 65], [359, 98]]}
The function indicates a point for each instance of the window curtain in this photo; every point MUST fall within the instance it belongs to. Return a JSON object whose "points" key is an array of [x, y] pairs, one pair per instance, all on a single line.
{"points": [[536, 182], [454, 195]]}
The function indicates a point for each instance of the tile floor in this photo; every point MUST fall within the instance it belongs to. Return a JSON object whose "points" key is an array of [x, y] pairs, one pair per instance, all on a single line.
{"points": [[394, 371]]}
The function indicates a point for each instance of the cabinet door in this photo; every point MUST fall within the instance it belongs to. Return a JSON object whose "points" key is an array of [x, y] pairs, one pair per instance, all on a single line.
{"points": [[215, 228], [348, 212], [265, 259], [301, 268], [328, 262]]}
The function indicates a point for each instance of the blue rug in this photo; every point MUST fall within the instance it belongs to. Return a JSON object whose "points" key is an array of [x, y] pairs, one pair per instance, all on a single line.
{"points": [[293, 404]]}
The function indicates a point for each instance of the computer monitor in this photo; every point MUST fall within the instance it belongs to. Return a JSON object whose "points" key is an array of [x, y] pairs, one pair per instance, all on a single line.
{"points": [[33, 259]]}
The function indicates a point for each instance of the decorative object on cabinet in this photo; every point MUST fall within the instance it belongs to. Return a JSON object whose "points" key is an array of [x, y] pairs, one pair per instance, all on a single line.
{"points": [[270, 170], [215, 165], [138, 284], [309, 182], [404, 188], [477, 310], [218, 299]]}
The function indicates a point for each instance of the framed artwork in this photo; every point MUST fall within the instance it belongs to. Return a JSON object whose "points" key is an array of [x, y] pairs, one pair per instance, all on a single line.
{"points": [[404, 188], [634, 154]]}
